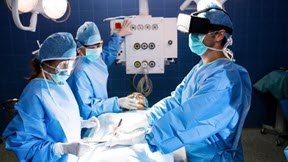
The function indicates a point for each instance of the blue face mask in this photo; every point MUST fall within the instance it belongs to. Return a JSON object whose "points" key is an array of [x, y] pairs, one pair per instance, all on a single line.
{"points": [[93, 54], [59, 79], [196, 45]]}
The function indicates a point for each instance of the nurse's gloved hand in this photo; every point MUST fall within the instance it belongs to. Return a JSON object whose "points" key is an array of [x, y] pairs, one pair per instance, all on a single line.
{"points": [[127, 138], [92, 122], [125, 30], [76, 148], [129, 103]]}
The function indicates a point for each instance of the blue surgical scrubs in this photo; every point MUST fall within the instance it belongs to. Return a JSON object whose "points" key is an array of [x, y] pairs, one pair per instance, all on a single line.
{"points": [[286, 153], [203, 113], [89, 82], [43, 117]]}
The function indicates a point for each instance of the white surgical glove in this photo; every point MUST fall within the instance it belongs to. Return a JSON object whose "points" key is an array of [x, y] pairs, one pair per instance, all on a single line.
{"points": [[127, 138], [75, 148], [125, 30], [129, 103], [92, 122]]}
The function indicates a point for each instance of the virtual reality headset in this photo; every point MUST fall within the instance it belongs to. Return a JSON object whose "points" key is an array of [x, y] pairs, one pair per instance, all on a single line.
{"points": [[194, 24]]}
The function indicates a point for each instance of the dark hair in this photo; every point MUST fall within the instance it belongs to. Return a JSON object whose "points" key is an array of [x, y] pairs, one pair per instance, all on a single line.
{"points": [[36, 69]]}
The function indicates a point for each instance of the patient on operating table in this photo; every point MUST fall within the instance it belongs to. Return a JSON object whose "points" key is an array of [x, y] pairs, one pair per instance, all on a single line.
{"points": [[111, 123]]}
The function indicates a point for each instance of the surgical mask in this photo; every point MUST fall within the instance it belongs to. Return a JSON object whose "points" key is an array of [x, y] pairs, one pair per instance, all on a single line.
{"points": [[196, 45], [59, 79], [93, 54]]}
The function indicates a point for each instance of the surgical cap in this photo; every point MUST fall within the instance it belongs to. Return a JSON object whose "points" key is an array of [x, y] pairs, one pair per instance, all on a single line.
{"points": [[88, 34], [216, 17], [58, 46]]}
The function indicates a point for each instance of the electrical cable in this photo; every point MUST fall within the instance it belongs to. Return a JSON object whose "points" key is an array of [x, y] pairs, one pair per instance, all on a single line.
{"points": [[145, 85]]}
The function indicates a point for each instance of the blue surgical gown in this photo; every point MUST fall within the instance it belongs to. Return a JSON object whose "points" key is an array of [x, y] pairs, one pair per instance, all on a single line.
{"points": [[203, 113], [286, 153], [89, 82], [41, 119]]}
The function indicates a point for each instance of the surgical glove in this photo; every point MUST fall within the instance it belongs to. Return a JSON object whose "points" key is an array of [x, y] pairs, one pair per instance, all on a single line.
{"points": [[127, 138], [129, 103], [90, 123], [125, 30], [75, 148]]}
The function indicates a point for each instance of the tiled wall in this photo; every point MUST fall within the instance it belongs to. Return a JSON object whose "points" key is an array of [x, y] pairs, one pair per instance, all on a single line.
{"points": [[260, 41]]}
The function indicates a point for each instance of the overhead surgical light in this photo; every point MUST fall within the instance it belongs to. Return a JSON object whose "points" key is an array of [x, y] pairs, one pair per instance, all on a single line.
{"points": [[186, 5], [27, 6], [54, 9], [51, 9]]}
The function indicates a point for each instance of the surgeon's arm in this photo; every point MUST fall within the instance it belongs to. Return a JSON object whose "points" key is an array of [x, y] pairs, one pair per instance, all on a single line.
{"points": [[84, 94], [160, 108], [26, 134], [110, 51], [207, 112]]}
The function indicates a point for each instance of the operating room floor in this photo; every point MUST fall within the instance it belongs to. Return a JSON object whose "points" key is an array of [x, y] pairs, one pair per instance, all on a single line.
{"points": [[257, 148]]}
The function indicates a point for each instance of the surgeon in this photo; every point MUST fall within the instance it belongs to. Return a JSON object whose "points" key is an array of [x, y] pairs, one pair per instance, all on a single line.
{"points": [[47, 124], [207, 110], [89, 79]]}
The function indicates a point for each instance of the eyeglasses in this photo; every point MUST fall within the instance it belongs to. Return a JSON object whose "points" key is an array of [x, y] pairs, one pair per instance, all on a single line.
{"points": [[64, 67]]}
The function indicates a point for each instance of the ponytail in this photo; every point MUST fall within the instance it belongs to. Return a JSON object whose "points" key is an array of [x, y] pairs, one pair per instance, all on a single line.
{"points": [[36, 69]]}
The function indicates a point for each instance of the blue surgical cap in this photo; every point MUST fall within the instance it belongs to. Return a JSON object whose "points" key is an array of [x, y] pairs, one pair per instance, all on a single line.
{"points": [[215, 16], [88, 34], [58, 46]]}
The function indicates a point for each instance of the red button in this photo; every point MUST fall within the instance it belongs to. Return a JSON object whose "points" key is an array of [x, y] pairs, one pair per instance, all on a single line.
{"points": [[118, 25]]}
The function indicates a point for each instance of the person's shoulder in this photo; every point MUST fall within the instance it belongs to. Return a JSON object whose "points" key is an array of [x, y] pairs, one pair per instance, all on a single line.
{"points": [[224, 68], [33, 89], [81, 65], [34, 84], [240, 69], [234, 63], [233, 71], [233, 66]]}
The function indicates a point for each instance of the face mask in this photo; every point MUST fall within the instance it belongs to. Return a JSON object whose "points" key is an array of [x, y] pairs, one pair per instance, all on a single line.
{"points": [[93, 54], [59, 79], [61, 74], [196, 45]]}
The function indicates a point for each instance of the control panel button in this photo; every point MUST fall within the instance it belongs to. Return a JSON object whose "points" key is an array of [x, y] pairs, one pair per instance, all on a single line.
{"points": [[118, 25]]}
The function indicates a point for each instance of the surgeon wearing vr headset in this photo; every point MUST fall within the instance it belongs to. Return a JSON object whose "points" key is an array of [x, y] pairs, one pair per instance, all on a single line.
{"points": [[207, 110]]}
